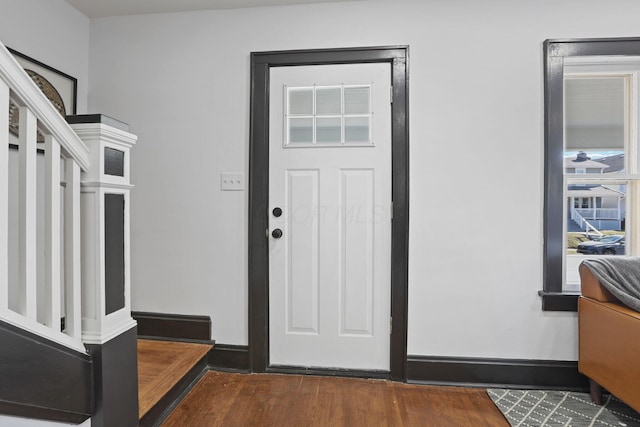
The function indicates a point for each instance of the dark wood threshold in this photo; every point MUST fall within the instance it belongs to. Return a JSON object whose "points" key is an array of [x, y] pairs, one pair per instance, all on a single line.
{"points": [[559, 301], [328, 372], [503, 373]]}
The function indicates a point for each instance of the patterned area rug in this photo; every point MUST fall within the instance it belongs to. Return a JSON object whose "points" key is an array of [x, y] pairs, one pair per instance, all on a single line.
{"points": [[538, 408]]}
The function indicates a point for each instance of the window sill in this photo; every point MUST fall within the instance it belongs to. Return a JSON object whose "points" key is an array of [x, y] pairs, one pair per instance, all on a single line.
{"points": [[559, 301]]}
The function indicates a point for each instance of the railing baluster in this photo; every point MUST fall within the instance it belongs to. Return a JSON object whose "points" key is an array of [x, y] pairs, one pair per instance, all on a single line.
{"points": [[52, 232], [73, 317], [27, 215], [4, 196], [34, 303]]}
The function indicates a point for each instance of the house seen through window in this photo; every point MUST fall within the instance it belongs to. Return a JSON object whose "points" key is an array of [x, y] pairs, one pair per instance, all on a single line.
{"points": [[600, 160]]}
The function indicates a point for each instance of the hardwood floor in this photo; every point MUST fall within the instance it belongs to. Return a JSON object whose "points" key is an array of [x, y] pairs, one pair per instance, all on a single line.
{"points": [[228, 399], [161, 364]]}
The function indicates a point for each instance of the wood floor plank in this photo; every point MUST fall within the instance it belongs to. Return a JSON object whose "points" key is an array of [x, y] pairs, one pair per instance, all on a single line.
{"points": [[229, 399], [354, 402], [449, 406], [161, 365]]}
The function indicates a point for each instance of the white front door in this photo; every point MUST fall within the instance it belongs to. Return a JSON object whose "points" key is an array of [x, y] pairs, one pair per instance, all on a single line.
{"points": [[330, 198]]}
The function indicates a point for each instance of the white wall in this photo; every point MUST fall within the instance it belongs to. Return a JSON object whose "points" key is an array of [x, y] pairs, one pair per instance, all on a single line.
{"points": [[52, 32], [182, 82]]}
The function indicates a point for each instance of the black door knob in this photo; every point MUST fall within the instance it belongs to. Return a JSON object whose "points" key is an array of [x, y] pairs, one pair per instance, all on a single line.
{"points": [[277, 212], [277, 233]]}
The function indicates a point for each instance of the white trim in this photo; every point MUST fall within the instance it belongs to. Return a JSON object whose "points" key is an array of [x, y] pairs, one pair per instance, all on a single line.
{"points": [[107, 185], [98, 136], [99, 327], [630, 61], [72, 247], [26, 93], [627, 68], [599, 179], [91, 337], [343, 116], [52, 232], [105, 133], [4, 197], [27, 218], [36, 328]]}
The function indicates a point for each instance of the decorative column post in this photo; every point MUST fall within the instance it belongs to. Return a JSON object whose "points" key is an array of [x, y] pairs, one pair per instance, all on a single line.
{"points": [[108, 330]]}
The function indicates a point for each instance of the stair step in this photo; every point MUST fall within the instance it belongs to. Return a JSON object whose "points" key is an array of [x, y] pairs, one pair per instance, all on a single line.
{"points": [[165, 370]]}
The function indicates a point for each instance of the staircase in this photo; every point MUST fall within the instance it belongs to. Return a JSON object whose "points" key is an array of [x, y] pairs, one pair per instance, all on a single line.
{"points": [[68, 343], [29, 305], [166, 372], [578, 223], [573, 226], [68, 348]]}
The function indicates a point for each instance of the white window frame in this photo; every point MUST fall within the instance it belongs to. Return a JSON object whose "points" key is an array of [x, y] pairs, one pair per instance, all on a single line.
{"points": [[314, 116], [629, 69]]}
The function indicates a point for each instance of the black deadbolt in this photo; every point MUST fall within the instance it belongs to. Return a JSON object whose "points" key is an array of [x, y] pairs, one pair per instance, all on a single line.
{"points": [[277, 212], [277, 233]]}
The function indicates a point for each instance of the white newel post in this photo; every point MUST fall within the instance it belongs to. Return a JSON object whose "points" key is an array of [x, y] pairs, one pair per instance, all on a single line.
{"points": [[108, 330], [104, 200]]}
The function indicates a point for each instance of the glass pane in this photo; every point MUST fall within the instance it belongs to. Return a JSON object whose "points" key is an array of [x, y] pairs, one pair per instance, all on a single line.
{"points": [[356, 129], [594, 124], [301, 101], [356, 100], [328, 129], [328, 101], [300, 130], [596, 224]]}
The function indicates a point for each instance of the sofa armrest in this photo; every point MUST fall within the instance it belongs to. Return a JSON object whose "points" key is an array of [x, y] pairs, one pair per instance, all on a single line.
{"points": [[609, 348], [591, 287]]}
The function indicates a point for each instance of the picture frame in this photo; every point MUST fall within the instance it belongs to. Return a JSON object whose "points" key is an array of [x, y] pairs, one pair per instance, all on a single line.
{"points": [[65, 85]]}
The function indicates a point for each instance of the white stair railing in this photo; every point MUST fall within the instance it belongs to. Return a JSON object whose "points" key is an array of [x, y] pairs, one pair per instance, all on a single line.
{"points": [[38, 307], [583, 223], [599, 213]]}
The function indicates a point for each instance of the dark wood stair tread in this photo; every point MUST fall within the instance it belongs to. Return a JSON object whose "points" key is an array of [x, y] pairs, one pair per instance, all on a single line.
{"points": [[161, 365]]}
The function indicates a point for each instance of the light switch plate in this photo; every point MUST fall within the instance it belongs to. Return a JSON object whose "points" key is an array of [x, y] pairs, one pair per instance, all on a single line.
{"points": [[231, 182]]}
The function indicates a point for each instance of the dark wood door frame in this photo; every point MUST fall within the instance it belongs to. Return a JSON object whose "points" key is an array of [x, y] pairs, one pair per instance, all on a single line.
{"points": [[261, 63]]}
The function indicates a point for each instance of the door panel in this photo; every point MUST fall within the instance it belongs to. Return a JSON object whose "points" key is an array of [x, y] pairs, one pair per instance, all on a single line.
{"points": [[355, 255], [301, 276], [330, 173]]}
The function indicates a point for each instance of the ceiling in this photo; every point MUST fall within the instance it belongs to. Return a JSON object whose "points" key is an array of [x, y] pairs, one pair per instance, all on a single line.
{"points": [[103, 8]]}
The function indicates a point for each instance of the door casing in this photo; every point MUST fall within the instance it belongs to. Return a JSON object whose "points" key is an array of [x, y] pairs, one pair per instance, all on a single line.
{"points": [[258, 253]]}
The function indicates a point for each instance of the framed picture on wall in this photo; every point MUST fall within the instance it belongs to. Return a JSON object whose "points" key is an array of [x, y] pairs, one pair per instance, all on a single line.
{"points": [[60, 88], [48, 78]]}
